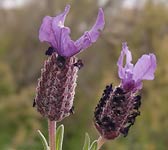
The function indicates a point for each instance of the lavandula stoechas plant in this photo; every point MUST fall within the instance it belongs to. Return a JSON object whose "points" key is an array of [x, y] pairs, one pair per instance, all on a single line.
{"points": [[56, 86], [119, 106]]}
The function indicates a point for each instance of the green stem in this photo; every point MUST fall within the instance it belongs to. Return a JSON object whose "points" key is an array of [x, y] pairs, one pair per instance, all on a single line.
{"points": [[100, 142], [52, 134]]}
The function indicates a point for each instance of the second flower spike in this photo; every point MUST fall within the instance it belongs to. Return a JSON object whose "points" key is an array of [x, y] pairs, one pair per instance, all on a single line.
{"points": [[119, 106]]}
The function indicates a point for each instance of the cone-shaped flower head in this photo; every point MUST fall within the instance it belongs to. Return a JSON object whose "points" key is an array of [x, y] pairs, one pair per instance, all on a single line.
{"points": [[56, 86], [119, 106], [57, 35]]}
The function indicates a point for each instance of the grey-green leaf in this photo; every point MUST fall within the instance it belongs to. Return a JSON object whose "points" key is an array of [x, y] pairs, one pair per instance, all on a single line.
{"points": [[44, 141], [59, 137], [94, 145], [87, 142]]}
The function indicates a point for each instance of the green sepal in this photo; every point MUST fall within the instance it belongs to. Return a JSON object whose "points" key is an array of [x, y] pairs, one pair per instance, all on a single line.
{"points": [[44, 141], [86, 142], [59, 137], [94, 145]]}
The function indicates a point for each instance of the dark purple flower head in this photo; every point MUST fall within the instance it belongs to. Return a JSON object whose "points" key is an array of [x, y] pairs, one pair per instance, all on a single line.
{"points": [[57, 35], [116, 112], [132, 75]]}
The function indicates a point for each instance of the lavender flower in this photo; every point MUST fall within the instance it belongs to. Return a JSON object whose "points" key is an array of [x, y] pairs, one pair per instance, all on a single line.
{"points": [[56, 86], [56, 34], [119, 106]]}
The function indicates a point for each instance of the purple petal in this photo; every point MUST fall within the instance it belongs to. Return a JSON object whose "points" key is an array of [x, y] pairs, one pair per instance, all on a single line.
{"points": [[138, 85], [67, 47], [50, 28], [57, 35], [128, 66], [45, 32], [127, 52], [57, 27], [59, 20], [145, 67], [98, 26], [91, 36]]}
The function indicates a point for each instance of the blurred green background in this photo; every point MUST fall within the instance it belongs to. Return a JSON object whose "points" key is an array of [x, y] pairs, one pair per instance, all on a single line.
{"points": [[143, 24]]}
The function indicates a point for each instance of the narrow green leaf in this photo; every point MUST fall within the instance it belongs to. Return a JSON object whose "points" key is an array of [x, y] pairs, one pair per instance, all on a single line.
{"points": [[59, 137], [94, 145], [87, 142], [44, 141]]}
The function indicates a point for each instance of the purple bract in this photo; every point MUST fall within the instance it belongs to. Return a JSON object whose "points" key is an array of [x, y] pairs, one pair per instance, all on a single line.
{"points": [[132, 75], [56, 34]]}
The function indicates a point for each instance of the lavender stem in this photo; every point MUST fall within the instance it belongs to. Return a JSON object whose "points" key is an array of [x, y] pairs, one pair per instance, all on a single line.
{"points": [[52, 134], [100, 142]]}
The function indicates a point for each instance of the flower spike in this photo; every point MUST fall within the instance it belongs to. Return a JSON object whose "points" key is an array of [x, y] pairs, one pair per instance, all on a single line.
{"points": [[56, 86], [119, 106]]}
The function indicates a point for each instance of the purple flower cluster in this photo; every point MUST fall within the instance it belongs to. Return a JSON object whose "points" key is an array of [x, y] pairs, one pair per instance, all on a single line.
{"points": [[118, 106]]}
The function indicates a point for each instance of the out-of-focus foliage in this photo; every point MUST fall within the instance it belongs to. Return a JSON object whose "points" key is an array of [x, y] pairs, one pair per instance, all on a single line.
{"points": [[144, 27]]}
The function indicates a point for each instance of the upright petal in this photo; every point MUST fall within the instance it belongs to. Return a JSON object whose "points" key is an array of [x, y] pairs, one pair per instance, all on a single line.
{"points": [[98, 26], [91, 36], [145, 67], [57, 25], [121, 71], [46, 33], [67, 46], [59, 20], [127, 53], [128, 65], [50, 28]]}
